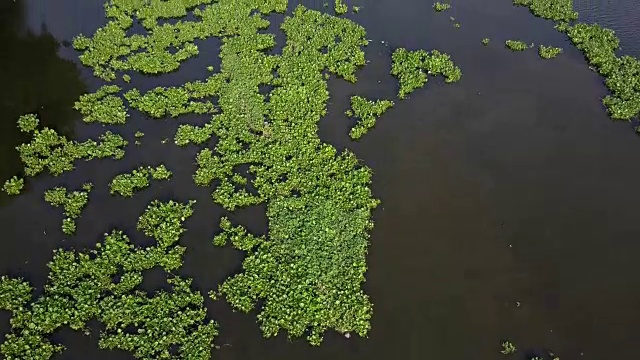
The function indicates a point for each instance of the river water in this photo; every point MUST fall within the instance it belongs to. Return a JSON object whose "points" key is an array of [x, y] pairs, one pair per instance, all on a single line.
{"points": [[508, 199]]}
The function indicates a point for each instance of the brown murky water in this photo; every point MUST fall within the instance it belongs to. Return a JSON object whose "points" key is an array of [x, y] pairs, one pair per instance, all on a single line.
{"points": [[509, 198]]}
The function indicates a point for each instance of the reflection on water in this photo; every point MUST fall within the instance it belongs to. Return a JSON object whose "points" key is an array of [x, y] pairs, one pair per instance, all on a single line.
{"points": [[34, 80]]}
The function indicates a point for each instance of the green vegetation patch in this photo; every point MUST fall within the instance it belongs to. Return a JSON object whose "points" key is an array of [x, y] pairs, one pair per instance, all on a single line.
{"points": [[485, 41], [72, 202], [549, 52], [516, 45], [48, 150], [557, 10], [622, 73], [366, 111], [128, 183], [176, 101], [28, 123], [340, 7], [102, 106], [13, 186], [103, 284], [438, 6], [411, 68]]}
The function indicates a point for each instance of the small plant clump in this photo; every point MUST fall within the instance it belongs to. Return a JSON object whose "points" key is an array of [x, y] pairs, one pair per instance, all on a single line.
{"points": [[28, 122], [138, 134], [438, 6], [128, 183], [340, 7], [411, 68], [508, 348], [549, 52], [72, 202], [13, 186], [485, 41], [366, 111], [103, 106], [516, 45]]}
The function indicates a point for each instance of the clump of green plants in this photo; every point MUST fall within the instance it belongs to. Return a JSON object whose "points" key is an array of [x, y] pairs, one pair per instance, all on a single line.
{"points": [[549, 52], [438, 6], [162, 221], [411, 68], [508, 348], [485, 41], [355, 9], [516, 45], [28, 123], [622, 73], [176, 101], [161, 50], [72, 202], [366, 111], [456, 25], [138, 134], [103, 284], [598, 45], [189, 134], [13, 186], [127, 184], [48, 150], [340, 7], [557, 10], [102, 106]]}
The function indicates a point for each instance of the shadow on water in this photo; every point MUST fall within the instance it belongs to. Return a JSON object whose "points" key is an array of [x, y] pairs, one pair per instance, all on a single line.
{"points": [[34, 80], [508, 201]]}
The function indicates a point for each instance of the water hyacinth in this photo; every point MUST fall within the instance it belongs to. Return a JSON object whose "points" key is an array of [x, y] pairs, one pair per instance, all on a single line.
{"points": [[28, 122], [102, 106], [549, 52], [558, 10], [307, 271], [340, 7], [439, 7], [48, 150], [13, 186], [516, 45], [127, 184], [103, 284], [411, 68], [622, 75], [366, 111], [485, 41], [72, 202]]}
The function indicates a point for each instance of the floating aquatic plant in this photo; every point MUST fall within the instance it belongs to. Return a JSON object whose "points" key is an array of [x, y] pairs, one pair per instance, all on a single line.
{"points": [[558, 10], [28, 122], [103, 284], [411, 68], [548, 52], [366, 111], [13, 186], [102, 106], [48, 150], [622, 75], [138, 134], [485, 41], [508, 348], [340, 7], [189, 134], [438, 6], [163, 221], [128, 183], [72, 202], [516, 45]]}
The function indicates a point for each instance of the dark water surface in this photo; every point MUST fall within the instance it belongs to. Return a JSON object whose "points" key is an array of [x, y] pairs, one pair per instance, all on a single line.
{"points": [[509, 201]]}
